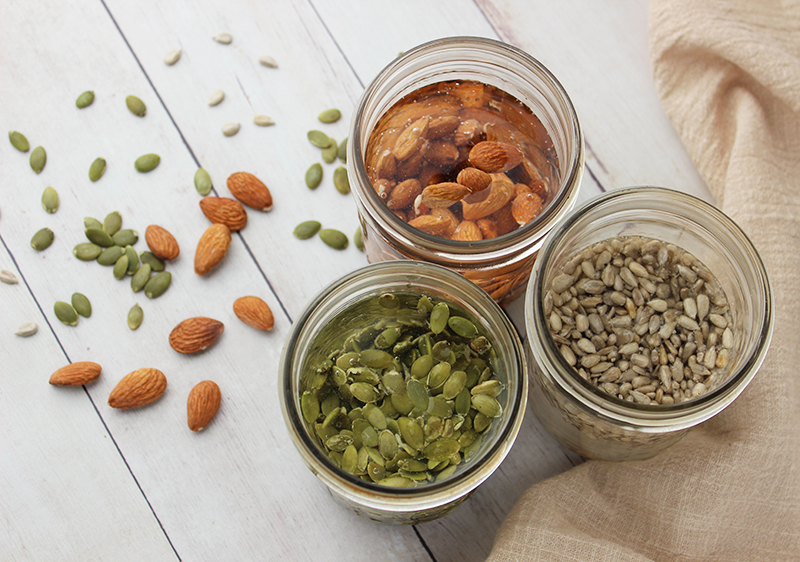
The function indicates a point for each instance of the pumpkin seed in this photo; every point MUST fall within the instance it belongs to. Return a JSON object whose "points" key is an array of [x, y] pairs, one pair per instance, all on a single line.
{"points": [[266, 60], [50, 200], [462, 327], [442, 449], [158, 284], [172, 57], [112, 223], [27, 329], [121, 266], [411, 433], [230, 129], [136, 106], [110, 255], [133, 260], [330, 152], [350, 459], [216, 97], [87, 251], [156, 264], [89, 222], [224, 38], [135, 317], [314, 175], [8, 277], [307, 229], [342, 151], [319, 139], [309, 404], [81, 305], [42, 239], [454, 385], [439, 316], [147, 162], [417, 393], [125, 237], [85, 99], [334, 238], [140, 278], [202, 182], [330, 116], [99, 236], [97, 169], [263, 120], [66, 313], [487, 405], [38, 159], [358, 240], [340, 180], [18, 141]]}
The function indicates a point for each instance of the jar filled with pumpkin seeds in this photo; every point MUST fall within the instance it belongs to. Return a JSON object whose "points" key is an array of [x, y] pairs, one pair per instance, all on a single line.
{"points": [[403, 386], [648, 312], [465, 152]]}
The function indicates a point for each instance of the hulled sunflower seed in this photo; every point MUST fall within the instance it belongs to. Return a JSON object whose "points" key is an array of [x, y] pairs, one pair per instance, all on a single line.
{"points": [[136, 106], [330, 116], [66, 313], [42, 239], [147, 162], [333, 238], [18, 141], [85, 99], [266, 60], [230, 129], [172, 57], [202, 182], [87, 251], [158, 284], [135, 317], [216, 98], [263, 120], [314, 175], [38, 159], [27, 329], [224, 38], [97, 169], [81, 305], [340, 180], [7, 277], [50, 200], [307, 229]]}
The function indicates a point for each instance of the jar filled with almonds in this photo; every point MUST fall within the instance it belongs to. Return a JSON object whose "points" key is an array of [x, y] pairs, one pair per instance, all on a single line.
{"points": [[465, 152]]}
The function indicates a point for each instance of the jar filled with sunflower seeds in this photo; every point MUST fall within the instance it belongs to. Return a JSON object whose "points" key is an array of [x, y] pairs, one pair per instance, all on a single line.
{"points": [[403, 387], [648, 312], [465, 152]]}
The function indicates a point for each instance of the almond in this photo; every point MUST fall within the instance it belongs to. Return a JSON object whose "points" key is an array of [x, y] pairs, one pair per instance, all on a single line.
{"points": [[410, 140], [254, 312], [224, 210], [474, 179], [195, 334], [410, 167], [467, 231], [468, 133], [450, 220], [435, 226], [250, 190], [440, 152], [385, 165], [526, 207], [488, 228], [443, 194], [203, 404], [471, 94], [138, 388], [404, 194], [442, 125], [76, 374], [504, 219], [499, 193], [211, 248], [161, 242], [495, 156], [383, 188]]}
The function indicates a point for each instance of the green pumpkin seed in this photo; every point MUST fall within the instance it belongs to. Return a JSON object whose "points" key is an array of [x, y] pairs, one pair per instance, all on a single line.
{"points": [[112, 223], [412, 433], [18, 141], [442, 449], [42, 239], [99, 237], [66, 313], [307, 229], [87, 251], [487, 405], [350, 459], [121, 267], [463, 402], [314, 175], [491, 387], [89, 222], [439, 375], [85, 99], [439, 317], [81, 305], [422, 366], [342, 151], [202, 182], [319, 139], [462, 327], [133, 260], [340, 180], [111, 255], [358, 239], [330, 152], [418, 394], [125, 237], [136, 106], [97, 169], [334, 238], [375, 416], [158, 284], [438, 406], [375, 358], [147, 162], [309, 404], [38, 159], [140, 278], [454, 385], [135, 317], [330, 116], [387, 444], [156, 264], [481, 422], [339, 443], [50, 200], [364, 391]]}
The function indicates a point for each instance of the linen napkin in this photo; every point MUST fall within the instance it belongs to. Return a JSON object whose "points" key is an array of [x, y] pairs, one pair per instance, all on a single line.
{"points": [[728, 73]]}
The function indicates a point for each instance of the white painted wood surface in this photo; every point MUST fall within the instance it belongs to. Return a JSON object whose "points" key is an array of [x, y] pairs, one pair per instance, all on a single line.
{"points": [[81, 481]]}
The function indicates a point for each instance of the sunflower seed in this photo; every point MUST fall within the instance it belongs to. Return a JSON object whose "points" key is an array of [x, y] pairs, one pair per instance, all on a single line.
{"points": [[230, 129], [99, 236], [136, 106], [125, 237], [156, 264], [202, 182], [97, 169], [140, 278], [224, 38], [50, 200], [147, 162], [135, 317], [66, 313], [18, 141], [87, 251], [38, 159], [333, 238], [267, 60], [81, 305], [307, 229], [42, 239], [27, 329], [216, 97], [319, 139], [330, 116], [263, 120], [85, 99], [172, 57], [340, 180], [158, 284], [8, 277], [112, 223], [110, 255]]}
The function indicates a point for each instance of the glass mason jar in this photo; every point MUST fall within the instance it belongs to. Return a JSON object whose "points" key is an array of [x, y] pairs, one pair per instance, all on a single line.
{"points": [[598, 425], [500, 265], [322, 327]]}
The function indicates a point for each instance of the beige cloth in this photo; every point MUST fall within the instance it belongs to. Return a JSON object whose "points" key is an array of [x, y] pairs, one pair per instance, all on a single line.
{"points": [[728, 72]]}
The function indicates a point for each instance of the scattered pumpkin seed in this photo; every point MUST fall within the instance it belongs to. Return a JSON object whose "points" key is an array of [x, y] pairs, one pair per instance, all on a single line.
{"points": [[133, 260], [333, 238], [136, 106], [110, 255], [158, 284], [263, 120], [97, 169], [99, 236], [342, 151], [135, 317], [172, 57], [266, 60], [307, 229], [358, 239], [81, 305], [7, 277], [147, 162], [330, 116], [27, 329], [38, 159], [50, 200], [140, 278], [230, 129], [125, 237], [330, 152], [66, 313], [121, 266], [42, 239], [18, 141], [340, 180], [314, 175], [202, 182], [112, 223], [89, 222], [319, 139], [156, 264], [87, 251], [85, 99], [224, 38]]}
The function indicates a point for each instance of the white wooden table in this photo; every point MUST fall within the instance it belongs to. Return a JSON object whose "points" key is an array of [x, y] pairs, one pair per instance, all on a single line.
{"points": [[81, 481]]}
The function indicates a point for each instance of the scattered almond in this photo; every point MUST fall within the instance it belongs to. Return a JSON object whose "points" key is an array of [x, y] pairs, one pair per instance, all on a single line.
{"points": [[495, 156], [138, 388], [474, 179], [224, 210], [254, 312], [211, 248], [161, 242], [250, 190], [76, 374], [203, 404], [195, 334]]}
